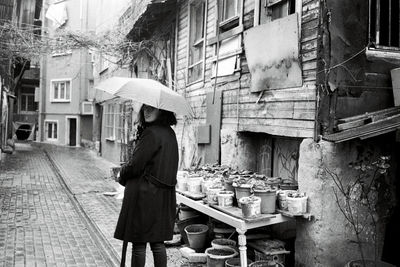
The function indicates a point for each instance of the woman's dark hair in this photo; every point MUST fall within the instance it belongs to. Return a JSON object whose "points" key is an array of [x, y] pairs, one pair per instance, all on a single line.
{"points": [[165, 118]]}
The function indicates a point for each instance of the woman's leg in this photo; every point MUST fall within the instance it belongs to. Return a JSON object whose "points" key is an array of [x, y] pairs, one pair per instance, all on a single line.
{"points": [[159, 254], [138, 254]]}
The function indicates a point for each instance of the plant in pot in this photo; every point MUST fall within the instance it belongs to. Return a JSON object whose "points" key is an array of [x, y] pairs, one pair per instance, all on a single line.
{"points": [[364, 201]]}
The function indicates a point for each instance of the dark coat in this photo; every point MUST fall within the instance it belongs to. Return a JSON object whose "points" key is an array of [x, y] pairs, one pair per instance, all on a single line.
{"points": [[149, 204]]}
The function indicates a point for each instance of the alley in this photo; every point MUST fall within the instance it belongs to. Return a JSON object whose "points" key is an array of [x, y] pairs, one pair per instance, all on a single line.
{"points": [[54, 212]]}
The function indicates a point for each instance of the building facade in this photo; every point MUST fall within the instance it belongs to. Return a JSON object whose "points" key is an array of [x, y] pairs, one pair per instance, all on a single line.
{"points": [[24, 120], [285, 88], [66, 90]]}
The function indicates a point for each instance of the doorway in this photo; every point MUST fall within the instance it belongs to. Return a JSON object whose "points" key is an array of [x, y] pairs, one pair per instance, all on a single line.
{"points": [[72, 131]]}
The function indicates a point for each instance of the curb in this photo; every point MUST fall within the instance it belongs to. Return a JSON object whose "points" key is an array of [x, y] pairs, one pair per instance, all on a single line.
{"points": [[109, 253]]}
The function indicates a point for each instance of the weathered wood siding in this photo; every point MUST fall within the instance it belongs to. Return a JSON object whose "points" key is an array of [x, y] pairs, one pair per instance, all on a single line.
{"points": [[282, 112], [6, 10]]}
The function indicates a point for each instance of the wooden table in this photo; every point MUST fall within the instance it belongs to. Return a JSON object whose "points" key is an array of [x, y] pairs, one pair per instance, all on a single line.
{"points": [[240, 224]]}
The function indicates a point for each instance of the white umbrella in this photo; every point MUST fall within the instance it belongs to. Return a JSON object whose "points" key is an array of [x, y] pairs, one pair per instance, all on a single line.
{"points": [[146, 91]]}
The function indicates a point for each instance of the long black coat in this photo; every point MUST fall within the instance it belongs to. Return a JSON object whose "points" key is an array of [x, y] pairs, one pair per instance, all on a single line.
{"points": [[148, 207]]}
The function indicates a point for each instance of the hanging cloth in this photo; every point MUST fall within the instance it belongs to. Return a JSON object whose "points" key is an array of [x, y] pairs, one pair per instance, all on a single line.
{"points": [[57, 13]]}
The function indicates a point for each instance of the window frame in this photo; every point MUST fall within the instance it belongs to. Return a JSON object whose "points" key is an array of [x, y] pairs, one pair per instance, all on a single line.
{"points": [[119, 123], [59, 99], [46, 124], [232, 22], [114, 131], [375, 30], [270, 4], [26, 111], [190, 66]]}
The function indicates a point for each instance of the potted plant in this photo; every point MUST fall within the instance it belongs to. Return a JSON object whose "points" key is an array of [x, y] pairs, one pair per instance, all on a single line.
{"points": [[358, 200]]}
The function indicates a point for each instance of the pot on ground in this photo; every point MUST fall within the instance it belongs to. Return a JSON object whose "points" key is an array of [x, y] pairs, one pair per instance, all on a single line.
{"points": [[216, 257], [368, 263]]}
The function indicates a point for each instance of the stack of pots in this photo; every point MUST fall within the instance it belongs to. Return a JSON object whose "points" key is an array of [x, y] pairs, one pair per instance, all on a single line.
{"points": [[212, 194], [243, 190], [216, 257]]}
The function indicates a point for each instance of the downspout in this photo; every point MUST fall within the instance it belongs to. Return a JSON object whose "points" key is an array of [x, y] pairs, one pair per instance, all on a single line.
{"points": [[43, 80], [326, 100], [1, 115]]}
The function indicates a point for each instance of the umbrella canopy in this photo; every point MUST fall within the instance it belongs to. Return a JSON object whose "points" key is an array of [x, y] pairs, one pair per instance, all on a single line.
{"points": [[146, 91]]}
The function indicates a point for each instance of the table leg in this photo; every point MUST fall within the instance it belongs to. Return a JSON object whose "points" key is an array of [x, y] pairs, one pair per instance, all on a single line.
{"points": [[242, 247]]}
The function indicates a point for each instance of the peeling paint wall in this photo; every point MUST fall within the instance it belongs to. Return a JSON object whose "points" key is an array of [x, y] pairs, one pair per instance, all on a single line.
{"points": [[327, 240]]}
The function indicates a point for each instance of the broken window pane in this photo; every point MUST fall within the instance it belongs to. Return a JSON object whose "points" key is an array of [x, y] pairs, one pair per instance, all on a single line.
{"points": [[384, 23]]}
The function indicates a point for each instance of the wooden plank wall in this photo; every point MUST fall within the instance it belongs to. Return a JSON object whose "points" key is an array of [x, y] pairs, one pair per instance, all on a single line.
{"points": [[6, 9], [282, 112]]}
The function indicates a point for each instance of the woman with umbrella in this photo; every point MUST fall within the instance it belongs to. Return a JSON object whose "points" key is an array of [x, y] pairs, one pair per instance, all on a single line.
{"points": [[149, 205]]}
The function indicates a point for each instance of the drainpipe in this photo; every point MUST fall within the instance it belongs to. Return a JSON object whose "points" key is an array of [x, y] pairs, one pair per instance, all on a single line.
{"points": [[1, 115], [42, 85], [326, 100]]}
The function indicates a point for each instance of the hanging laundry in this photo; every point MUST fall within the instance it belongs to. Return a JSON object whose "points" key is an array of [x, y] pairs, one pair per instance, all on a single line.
{"points": [[57, 13]]}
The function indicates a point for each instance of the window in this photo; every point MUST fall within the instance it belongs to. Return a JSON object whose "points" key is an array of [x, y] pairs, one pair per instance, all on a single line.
{"points": [[104, 63], [61, 91], [384, 24], [51, 128], [109, 121], [28, 103], [119, 125], [228, 13], [195, 71], [113, 121], [275, 9]]}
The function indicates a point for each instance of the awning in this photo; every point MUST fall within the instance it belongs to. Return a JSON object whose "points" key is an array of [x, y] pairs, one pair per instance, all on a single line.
{"points": [[366, 125], [155, 12]]}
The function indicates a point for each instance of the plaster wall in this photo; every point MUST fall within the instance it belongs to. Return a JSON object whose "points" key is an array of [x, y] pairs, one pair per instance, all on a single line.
{"points": [[327, 240], [260, 152], [236, 151], [59, 68], [111, 150], [61, 129]]}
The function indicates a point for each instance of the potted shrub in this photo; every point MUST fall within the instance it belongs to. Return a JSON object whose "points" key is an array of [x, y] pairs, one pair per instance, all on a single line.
{"points": [[358, 199]]}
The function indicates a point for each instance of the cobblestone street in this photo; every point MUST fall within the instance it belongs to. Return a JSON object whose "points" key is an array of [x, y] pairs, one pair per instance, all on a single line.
{"points": [[54, 212]]}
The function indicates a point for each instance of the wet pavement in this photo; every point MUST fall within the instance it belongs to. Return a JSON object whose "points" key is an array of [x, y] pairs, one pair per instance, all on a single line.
{"points": [[54, 211]]}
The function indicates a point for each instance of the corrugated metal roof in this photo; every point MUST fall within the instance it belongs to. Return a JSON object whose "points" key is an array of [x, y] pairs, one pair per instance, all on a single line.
{"points": [[376, 124], [155, 11]]}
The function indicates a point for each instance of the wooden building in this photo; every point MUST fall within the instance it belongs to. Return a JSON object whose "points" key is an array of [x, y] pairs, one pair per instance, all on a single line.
{"points": [[286, 88]]}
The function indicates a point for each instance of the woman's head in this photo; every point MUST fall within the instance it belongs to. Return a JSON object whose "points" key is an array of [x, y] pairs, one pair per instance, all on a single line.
{"points": [[149, 114]]}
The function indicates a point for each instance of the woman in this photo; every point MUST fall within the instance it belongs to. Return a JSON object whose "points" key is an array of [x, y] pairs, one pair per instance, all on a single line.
{"points": [[149, 177]]}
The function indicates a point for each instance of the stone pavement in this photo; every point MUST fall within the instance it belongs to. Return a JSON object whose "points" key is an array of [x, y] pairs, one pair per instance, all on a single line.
{"points": [[54, 212], [39, 223]]}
